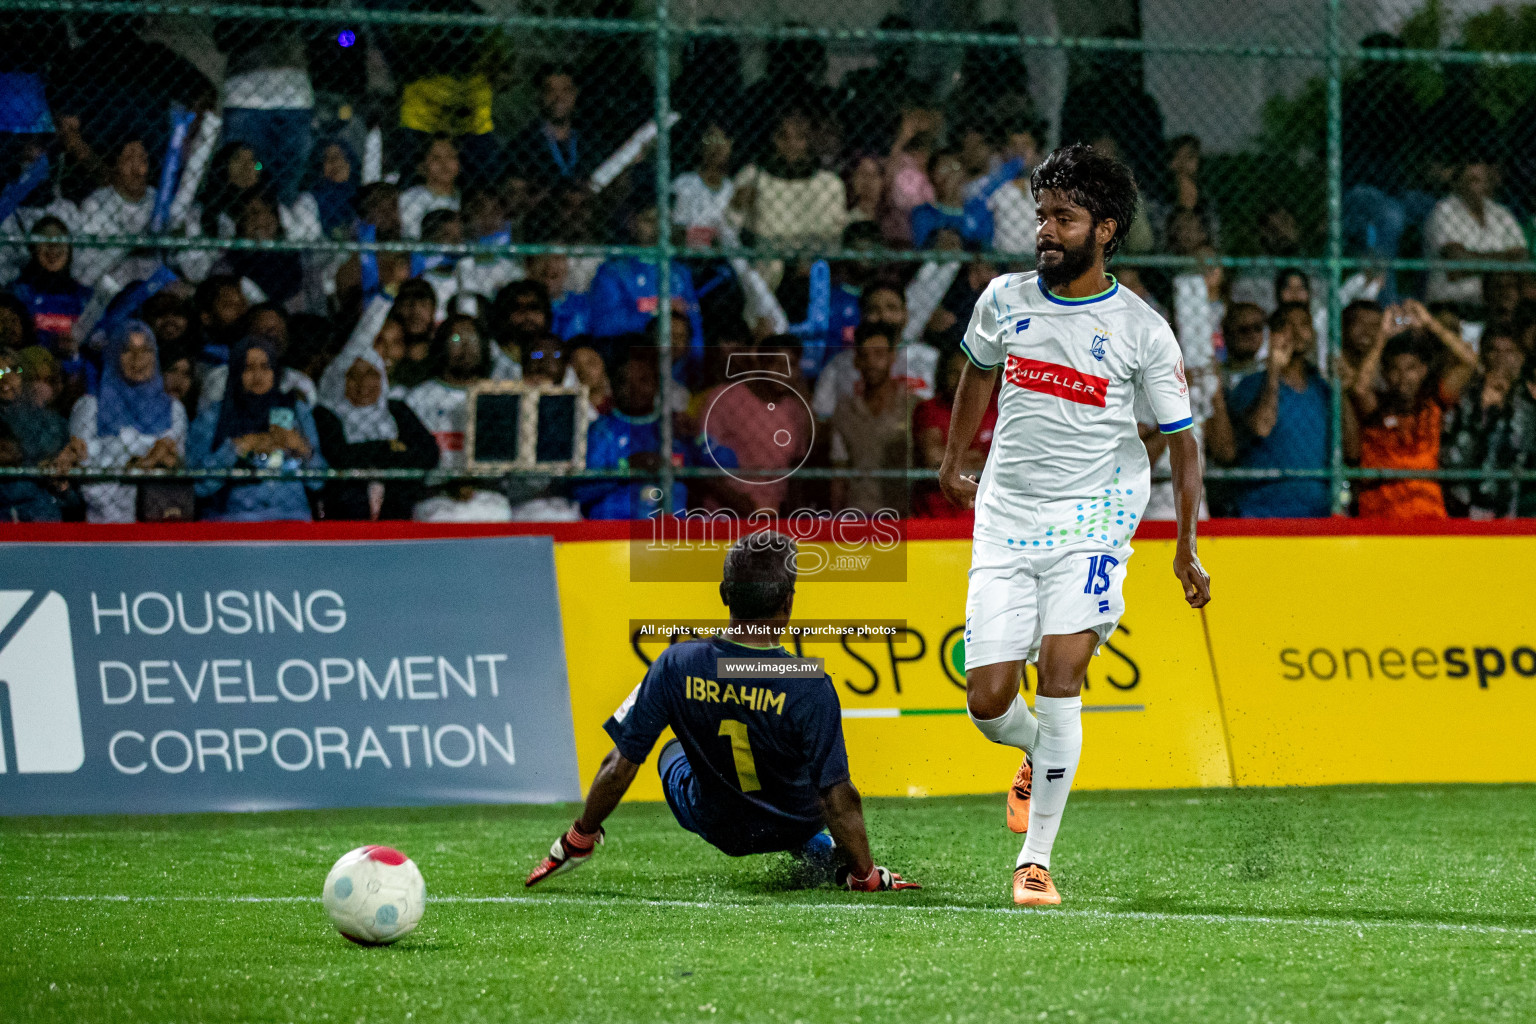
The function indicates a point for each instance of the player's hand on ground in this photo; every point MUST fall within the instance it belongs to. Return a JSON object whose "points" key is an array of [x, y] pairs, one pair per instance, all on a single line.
{"points": [[957, 487], [569, 852], [1193, 577], [879, 879]]}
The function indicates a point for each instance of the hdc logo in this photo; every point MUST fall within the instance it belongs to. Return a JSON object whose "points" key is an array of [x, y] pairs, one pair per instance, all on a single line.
{"points": [[39, 708]]}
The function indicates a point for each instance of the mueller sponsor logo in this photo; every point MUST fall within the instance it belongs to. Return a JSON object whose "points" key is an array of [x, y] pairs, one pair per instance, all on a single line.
{"points": [[1054, 379]]}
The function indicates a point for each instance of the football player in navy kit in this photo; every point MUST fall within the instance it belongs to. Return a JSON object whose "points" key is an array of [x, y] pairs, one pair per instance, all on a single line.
{"points": [[758, 765]]}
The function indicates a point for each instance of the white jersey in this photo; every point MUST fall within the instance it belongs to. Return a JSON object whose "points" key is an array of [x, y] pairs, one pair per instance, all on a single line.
{"points": [[1067, 466], [444, 410]]}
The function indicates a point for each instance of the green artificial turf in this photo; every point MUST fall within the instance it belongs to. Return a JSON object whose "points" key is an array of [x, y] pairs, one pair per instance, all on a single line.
{"points": [[1364, 904]]}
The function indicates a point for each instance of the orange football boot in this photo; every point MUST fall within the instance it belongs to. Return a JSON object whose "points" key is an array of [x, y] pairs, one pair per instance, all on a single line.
{"points": [[1032, 887], [1018, 797]]}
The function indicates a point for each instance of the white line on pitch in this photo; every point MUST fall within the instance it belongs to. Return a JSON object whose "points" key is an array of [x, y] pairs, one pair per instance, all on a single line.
{"points": [[862, 907]]}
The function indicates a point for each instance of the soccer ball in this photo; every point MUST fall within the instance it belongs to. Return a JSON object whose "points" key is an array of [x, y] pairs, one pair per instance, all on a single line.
{"points": [[375, 895]]}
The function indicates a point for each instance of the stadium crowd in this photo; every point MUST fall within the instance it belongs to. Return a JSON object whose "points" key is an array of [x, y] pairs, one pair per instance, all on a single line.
{"points": [[210, 356]]}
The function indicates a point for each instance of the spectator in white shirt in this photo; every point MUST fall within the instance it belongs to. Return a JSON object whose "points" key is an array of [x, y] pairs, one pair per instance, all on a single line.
{"points": [[129, 423], [701, 198], [1013, 206], [439, 189], [788, 199], [1468, 224], [122, 207], [464, 503], [442, 403]]}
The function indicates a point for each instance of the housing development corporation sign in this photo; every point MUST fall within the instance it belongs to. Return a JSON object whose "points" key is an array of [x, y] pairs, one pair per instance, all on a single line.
{"points": [[188, 677]]}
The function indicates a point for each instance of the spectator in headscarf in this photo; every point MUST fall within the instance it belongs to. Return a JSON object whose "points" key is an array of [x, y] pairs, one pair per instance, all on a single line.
{"points": [[40, 433], [267, 321], [43, 379], [255, 426], [794, 78], [22, 500], [334, 190], [46, 286], [361, 428], [129, 423]]}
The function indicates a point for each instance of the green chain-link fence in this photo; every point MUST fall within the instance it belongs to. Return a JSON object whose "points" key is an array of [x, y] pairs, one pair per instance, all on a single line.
{"points": [[1343, 156]]}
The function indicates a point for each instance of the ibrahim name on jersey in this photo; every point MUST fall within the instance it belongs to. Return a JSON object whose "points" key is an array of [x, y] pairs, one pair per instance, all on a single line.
{"points": [[1067, 466], [762, 750]]}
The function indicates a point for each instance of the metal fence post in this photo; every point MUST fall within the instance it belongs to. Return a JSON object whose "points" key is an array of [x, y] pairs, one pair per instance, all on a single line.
{"points": [[663, 78], [1335, 70]]}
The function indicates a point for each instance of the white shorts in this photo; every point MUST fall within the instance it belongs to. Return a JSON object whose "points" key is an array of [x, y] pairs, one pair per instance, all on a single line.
{"points": [[1017, 597]]}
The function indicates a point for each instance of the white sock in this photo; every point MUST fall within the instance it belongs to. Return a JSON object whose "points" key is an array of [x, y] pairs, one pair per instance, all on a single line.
{"points": [[1015, 727], [1057, 749]]}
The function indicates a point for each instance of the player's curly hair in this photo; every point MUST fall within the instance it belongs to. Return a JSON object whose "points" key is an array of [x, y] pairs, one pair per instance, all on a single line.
{"points": [[759, 575], [1102, 185]]}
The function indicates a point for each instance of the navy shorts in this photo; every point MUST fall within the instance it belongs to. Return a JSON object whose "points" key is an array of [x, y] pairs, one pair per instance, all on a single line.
{"points": [[686, 799]]}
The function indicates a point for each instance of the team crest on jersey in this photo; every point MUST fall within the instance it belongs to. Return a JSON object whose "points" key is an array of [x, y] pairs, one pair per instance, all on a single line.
{"points": [[1097, 347]]}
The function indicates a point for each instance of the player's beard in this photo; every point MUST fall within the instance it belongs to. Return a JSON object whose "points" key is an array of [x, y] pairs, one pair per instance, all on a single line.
{"points": [[1073, 263]]}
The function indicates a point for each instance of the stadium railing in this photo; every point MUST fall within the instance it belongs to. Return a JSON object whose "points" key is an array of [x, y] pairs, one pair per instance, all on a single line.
{"points": [[454, 65]]}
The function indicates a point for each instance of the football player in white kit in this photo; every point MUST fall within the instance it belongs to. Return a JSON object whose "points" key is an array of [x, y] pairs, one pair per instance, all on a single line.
{"points": [[1065, 483]]}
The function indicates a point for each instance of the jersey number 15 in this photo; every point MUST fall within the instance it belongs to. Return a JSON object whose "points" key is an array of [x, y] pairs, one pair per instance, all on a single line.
{"points": [[1098, 573]]}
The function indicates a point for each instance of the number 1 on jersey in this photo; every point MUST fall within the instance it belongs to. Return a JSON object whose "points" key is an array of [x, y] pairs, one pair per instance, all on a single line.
{"points": [[741, 753]]}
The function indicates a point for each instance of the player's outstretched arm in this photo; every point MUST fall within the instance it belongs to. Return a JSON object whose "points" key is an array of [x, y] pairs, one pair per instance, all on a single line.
{"points": [[971, 400], [843, 811], [580, 841], [1184, 460]]}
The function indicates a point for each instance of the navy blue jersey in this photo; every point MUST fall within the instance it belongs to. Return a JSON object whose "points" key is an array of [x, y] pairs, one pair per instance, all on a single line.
{"points": [[761, 749]]}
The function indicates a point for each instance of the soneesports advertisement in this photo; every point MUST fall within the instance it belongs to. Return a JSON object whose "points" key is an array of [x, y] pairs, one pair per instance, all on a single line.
{"points": [[1308, 668], [1150, 709], [223, 676]]}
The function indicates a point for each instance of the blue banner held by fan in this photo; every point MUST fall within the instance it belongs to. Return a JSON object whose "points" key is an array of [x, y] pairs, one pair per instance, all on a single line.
{"points": [[170, 170], [368, 260], [818, 308], [17, 191]]}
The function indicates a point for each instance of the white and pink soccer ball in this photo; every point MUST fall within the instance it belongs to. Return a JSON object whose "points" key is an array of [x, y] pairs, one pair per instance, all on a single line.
{"points": [[375, 895]]}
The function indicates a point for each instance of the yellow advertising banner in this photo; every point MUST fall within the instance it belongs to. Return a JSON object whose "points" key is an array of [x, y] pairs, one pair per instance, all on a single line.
{"points": [[1151, 718], [1376, 658]]}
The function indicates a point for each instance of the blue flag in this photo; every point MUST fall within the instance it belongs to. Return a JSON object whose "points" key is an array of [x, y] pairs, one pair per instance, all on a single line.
{"points": [[170, 171], [368, 260], [18, 190]]}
